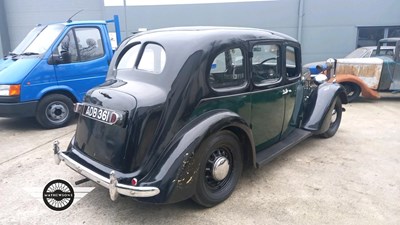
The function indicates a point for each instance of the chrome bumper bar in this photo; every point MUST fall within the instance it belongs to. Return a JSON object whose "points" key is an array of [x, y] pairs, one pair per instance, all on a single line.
{"points": [[111, 183]]}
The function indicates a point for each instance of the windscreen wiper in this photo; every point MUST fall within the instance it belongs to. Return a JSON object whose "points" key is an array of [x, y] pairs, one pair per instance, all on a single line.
{"points": [[11, 55], [30, 53]]}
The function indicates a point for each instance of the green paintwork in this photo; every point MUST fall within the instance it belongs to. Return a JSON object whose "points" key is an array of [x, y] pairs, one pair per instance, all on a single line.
{"points": [[268, 111], [268, 107], [291, 119], [240, 104]]}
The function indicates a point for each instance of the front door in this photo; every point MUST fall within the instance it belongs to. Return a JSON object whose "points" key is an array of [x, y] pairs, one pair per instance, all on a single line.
{"points": [[83, 63], [267, 97], [292, 73]]}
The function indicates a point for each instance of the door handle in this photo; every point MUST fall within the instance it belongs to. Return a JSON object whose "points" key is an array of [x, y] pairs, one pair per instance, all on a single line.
{"points": [[286, 91]]}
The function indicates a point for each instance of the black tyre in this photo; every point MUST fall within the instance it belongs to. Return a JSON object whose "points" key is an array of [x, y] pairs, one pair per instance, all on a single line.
{"points": [[352, 90], [220, 169], [54, 111], [335, 121]]}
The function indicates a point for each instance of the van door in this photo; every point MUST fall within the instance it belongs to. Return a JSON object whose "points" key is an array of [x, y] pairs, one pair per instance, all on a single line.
{"points": [[83, 63]]}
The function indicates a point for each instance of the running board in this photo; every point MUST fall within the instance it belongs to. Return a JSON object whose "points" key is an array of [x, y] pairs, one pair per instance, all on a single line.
{"points": [[266, 155]]}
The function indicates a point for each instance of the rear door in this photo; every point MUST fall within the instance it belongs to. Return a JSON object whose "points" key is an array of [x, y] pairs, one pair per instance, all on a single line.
{"points": [[267, 96], [83, 59]]}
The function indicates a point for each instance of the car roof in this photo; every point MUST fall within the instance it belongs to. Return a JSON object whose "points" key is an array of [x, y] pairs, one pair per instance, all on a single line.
{"points": [[393, 39], [211, 32], [375, 47]]}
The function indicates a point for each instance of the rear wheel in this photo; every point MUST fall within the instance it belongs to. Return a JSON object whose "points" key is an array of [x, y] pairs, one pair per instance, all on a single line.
{"points": [[220, 168], [352, 90], [335, 120], [54, 111]]}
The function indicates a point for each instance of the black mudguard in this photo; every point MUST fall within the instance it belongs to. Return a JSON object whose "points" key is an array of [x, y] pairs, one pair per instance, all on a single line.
{"points": [[316, 116], [175, 173]]}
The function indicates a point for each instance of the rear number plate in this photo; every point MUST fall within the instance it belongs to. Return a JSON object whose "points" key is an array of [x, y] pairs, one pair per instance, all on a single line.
{"points": [[100, 114]]}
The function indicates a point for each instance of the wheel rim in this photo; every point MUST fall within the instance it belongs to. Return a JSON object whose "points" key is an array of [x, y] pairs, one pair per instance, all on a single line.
{"points": [[350, 90], [218, 168], [57, 112], [334, 116]]}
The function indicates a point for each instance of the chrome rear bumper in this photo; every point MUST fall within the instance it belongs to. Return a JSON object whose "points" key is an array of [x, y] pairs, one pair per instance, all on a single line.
{"points": [[111, 183]]}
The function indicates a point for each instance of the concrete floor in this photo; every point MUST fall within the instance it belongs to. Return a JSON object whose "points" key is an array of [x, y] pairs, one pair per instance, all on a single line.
{"points": [[352, 178]]}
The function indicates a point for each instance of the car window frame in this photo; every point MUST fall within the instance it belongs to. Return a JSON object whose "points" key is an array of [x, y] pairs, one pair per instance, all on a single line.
{"points": [[279, 62], [229, 90], [76, 44], [142, 47], [101, 38], [126, 49], [297, 48], [140, 55]]}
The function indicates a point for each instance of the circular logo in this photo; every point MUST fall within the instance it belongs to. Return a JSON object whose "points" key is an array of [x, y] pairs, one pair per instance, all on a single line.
{"points": [[58, 195]]}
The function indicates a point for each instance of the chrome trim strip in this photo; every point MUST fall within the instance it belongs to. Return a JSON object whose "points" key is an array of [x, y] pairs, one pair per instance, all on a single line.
{"points": [[123, 189]]}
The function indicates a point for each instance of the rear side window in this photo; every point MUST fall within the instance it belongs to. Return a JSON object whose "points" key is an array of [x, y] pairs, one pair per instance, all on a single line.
{"points": [[227, 70], [129, 58], [152, 58]]}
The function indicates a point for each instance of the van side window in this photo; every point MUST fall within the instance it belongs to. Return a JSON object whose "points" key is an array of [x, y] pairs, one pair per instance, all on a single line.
{"points": [[265, 69], [90, 43], [80, 44], [227, 70], [293, 67]]}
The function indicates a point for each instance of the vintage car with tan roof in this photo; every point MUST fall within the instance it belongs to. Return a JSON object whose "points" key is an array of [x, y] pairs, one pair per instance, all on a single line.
{"points": [[370, 76]]}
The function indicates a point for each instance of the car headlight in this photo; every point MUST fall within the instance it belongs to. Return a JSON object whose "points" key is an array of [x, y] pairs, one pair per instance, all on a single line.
{"points": [[331, 63], [10, 90]]}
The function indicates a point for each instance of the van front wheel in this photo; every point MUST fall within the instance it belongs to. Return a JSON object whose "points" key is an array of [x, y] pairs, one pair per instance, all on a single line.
{"points": [[54, 111]]}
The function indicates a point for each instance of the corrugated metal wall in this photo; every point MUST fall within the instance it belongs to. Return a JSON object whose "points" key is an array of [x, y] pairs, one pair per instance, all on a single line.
{"points": [[329, 28], [23, 15]]}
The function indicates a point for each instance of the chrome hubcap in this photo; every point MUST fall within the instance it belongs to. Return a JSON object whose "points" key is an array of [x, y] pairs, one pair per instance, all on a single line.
{"points": [[220, 168]]}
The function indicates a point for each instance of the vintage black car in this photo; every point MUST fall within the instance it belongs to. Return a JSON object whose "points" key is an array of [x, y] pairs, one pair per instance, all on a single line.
{"points": [[183, 110]]}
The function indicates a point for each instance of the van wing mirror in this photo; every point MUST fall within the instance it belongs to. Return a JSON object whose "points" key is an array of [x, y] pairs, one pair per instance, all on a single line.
{"points": [[56, 59]]}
